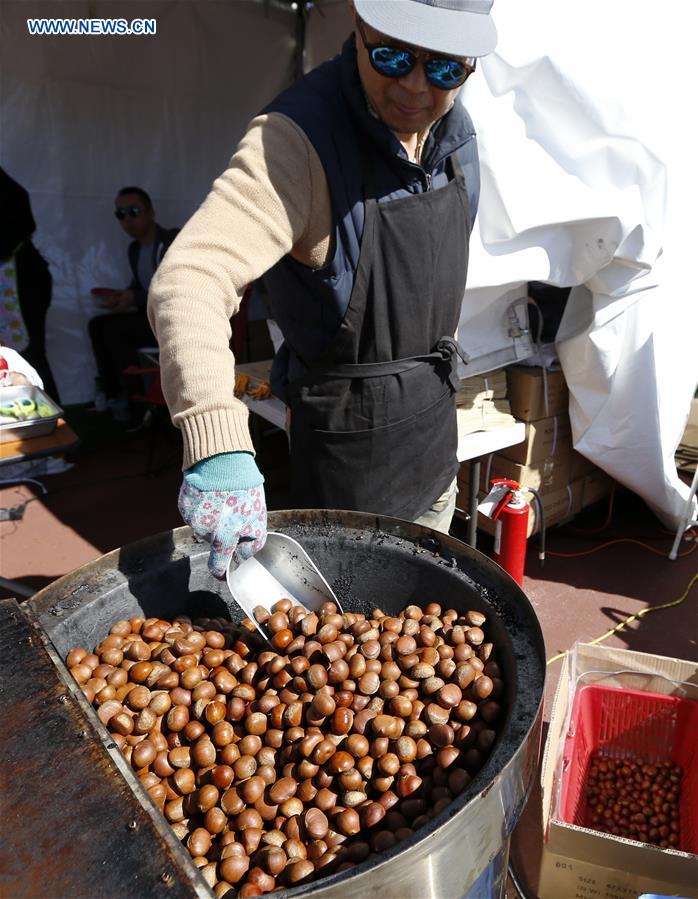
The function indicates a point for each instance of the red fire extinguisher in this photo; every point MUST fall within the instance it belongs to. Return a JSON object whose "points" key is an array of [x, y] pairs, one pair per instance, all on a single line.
{"points": [[511, 516]]}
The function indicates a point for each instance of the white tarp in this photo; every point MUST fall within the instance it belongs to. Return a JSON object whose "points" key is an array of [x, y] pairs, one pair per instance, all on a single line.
{"points": [[581, 113], [588, 176]]}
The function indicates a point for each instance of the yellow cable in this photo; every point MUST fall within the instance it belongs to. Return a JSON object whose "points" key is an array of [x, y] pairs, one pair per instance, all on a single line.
{"points": [[622, 624], [594, 549]]}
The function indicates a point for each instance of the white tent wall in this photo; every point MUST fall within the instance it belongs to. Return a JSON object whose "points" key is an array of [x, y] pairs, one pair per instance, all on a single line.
{"points": [[329, 25], [82, 116], [579, 119]]}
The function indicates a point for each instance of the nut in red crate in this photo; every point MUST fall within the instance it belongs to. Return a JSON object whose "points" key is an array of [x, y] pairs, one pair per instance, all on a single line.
{"points": [[630, 768]]}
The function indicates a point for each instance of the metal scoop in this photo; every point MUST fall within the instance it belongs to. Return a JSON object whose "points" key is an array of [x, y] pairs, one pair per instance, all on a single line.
{"points": [[281, 569]]}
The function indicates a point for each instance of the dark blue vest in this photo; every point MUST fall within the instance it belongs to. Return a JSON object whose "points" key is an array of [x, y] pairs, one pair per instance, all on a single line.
{"points": [[330, 107]]}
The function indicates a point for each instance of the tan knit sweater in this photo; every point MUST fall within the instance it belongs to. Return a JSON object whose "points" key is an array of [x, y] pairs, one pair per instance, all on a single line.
{"points": [[272, 200]]}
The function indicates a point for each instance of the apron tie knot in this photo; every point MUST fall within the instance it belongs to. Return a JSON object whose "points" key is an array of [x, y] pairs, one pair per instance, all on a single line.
{"points": [[451, 351]]}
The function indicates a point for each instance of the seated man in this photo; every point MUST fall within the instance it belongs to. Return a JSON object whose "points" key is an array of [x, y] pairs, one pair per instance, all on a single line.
{"points": [[117, 335]]}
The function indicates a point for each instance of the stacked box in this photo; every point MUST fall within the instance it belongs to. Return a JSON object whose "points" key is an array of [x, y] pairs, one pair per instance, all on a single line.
{"points": [[580, 466], [533, 394], [558, 506], [547, 437], [597, 485], [544, 475], [545, 461]]}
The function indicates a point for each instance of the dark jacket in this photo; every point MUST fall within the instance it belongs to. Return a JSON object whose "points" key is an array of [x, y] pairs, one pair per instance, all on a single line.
{"points": [[163, 239], [34, 281], [330, 106], [17, 222]]}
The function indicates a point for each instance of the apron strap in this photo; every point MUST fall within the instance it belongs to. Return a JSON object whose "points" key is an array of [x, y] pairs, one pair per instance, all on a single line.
{"points": [[446, 350]]}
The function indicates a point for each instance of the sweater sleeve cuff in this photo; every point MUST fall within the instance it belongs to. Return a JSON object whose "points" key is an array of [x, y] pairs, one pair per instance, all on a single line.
{"points": [[218, 431]]}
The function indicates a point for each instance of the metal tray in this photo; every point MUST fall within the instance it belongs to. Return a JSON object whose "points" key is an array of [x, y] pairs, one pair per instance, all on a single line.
{"points": [[13, 429]]}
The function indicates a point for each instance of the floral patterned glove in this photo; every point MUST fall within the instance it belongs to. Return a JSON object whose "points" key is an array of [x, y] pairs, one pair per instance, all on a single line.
{"points": [[222, 500]]}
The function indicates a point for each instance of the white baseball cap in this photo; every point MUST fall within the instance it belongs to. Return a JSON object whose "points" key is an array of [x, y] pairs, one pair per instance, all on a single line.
{"points": [[452, 27]]}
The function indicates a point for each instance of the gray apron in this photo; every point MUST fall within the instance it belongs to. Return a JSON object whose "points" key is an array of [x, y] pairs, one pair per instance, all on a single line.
{"points": [[373, 422]]}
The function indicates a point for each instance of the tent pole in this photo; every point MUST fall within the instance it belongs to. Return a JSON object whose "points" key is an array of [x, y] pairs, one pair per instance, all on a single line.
{"points": [[301, 14]]}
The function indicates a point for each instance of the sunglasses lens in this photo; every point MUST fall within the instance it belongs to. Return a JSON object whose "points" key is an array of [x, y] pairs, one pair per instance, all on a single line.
{"points": [[446, 74], [131, 211], [392, 62]]}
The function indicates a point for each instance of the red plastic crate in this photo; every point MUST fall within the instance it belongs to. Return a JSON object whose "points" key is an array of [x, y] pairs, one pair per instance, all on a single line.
{"points": [[619, 723]]}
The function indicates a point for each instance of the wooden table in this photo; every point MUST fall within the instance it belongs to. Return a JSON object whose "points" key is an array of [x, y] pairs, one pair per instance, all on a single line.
{"points": [[60, 441]]}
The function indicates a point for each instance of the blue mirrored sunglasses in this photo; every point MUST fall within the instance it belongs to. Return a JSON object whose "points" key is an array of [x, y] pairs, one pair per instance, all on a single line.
{"points": [[397, 62], [132, 211]]}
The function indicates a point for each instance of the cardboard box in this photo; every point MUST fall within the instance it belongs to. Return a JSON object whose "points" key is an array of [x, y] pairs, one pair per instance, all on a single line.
{"points": [[597, 485], [581, 466], [569, 878], [545, 475], [577, 861], [558, 506], [526, 390], [547, 437]]}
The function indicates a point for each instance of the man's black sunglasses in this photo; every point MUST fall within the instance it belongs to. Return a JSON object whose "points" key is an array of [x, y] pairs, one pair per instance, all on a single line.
{"points": [[122, 211], [393, 61]]}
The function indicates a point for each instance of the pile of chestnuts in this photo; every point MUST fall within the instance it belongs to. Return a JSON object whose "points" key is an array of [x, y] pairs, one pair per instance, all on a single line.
{"points": [[634, 799], [279, 766]]}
